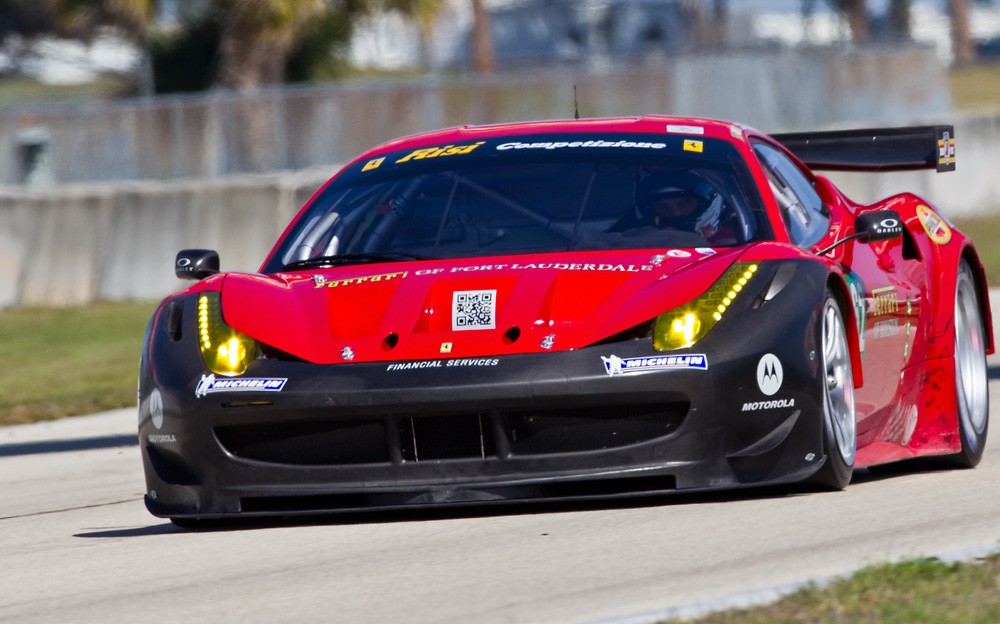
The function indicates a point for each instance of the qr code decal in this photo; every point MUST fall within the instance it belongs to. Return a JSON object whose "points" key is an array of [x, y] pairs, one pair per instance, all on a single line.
{"points": [[474, 309]]}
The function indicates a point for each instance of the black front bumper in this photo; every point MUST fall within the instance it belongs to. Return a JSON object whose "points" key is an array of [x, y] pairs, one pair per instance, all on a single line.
{"points": [[521, 427]]}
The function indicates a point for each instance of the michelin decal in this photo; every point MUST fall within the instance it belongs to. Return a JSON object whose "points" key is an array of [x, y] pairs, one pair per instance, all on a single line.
{"points": [[209, 384], [615, 365]]}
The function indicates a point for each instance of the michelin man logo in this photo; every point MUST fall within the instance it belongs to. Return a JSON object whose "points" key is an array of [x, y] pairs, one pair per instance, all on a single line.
{"points": [[204, 385], [769, 374], [613, 364]]}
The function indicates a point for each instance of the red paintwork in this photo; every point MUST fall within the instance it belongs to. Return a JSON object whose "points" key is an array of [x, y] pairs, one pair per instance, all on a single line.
{"points": [[906, 367], [566, 293]]}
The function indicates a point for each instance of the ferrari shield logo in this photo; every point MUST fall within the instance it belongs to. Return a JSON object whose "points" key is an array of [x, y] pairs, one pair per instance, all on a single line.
{"points": [[373, 164], [693, 146]]}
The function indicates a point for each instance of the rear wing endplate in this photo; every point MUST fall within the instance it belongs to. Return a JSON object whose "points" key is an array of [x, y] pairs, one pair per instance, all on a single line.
{"points": [[875, 149]]}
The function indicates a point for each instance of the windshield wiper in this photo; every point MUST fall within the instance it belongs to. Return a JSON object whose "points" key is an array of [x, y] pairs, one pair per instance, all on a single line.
{"points": [[346, 259]]}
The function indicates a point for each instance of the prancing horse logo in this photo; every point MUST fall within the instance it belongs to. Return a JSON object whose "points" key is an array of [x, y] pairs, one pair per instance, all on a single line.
{"points": [[769, 374]]}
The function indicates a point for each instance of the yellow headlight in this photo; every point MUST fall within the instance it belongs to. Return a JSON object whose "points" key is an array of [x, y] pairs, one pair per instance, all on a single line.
{"points": [[686, 325], [224, 350]]}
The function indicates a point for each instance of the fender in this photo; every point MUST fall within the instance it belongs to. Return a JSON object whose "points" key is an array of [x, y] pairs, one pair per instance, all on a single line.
{"points": [[838, 284]]}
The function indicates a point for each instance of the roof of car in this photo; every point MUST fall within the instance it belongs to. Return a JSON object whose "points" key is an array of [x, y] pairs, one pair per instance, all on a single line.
{"points": [[652, 124]]}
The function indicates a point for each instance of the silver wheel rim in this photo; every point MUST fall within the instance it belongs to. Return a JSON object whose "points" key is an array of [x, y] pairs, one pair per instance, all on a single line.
{"points": [[970, 361], [839, 387]]}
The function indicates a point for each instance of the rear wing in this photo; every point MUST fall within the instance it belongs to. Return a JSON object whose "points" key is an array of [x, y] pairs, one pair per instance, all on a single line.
{"points": [[875, 149]]}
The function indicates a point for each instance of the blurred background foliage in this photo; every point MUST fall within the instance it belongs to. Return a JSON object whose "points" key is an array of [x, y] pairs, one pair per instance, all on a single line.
{"points": [[246, 44], [238, 44]]}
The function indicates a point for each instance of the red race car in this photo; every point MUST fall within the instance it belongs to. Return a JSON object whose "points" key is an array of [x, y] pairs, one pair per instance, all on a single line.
{"points": [[572, 309]]}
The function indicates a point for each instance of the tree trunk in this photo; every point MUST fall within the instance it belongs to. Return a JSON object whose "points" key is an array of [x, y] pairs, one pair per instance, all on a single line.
{"points": [[247, 63], [483, 55], [962, 46], [247, 60], [705, 22], [857, 19], [718, 31], [899, 19]]}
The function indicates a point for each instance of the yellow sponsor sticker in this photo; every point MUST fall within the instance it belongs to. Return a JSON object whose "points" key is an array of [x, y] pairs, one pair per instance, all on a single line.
{"points": [[935, 226], [434, 152], [373, 164], [693, 146], [884, 301], [946, 150], [445, 347]]}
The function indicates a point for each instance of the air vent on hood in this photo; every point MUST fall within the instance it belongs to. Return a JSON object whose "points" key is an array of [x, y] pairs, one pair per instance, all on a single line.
{"points": [[511, 335], [390, 341], [175, 318]]}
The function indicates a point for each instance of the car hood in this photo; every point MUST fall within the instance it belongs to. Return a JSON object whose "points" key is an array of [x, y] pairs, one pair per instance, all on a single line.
{"points": [[472, 307]]}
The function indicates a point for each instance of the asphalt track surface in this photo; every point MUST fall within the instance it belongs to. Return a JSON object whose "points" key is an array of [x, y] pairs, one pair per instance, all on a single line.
{"points": [[77, 545]]}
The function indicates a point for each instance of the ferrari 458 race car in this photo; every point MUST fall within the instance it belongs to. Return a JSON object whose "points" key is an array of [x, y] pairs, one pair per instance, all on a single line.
{"points": [[572, 309]]}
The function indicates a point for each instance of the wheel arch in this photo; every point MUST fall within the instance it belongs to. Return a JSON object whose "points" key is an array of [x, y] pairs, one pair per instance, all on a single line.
{"points": [[971, 256], [838, 286]]}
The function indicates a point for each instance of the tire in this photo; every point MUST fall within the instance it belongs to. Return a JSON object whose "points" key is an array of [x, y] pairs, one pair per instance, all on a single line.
{"points": [[971, 390], [839, 418]]}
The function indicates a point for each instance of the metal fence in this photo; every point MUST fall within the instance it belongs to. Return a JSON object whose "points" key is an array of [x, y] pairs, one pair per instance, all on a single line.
{"points": [[291, 128]]}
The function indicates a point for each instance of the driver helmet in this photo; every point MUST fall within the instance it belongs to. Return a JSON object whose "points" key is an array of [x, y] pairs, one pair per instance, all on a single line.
{"points": [[680, 201]]}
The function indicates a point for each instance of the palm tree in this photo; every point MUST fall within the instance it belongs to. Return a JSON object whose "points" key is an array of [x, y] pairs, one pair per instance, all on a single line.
{"points": [[424, 12], [959, 12], [259, 35], [857, 18], [130, 19], [899, 18], [27, 19]]}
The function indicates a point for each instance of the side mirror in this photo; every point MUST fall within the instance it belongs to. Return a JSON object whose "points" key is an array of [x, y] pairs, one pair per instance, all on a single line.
{"points": [[196, 264], [880, 225], [872, 227]]}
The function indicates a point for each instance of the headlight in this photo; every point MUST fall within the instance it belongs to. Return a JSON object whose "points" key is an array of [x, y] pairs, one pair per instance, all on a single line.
{"points": [[686, 325], [224, 350]]}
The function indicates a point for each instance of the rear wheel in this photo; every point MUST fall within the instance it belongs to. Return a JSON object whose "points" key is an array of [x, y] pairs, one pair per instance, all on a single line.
{"points": [[839, 424], [970, 371]]}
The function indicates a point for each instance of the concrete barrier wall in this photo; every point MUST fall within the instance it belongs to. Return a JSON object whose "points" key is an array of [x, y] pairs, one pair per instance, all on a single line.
{"points": [[113, 242], [974, 187], [290, 128], [78, 244]]}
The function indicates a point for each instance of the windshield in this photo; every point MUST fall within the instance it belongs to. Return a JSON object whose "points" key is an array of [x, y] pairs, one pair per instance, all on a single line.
{"points": [[530, 194]]}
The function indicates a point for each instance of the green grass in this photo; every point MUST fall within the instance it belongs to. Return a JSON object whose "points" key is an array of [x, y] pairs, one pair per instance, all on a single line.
{"points": [[985, 232], [19, 90], [69, 361], [924, 591], [975, 87]]}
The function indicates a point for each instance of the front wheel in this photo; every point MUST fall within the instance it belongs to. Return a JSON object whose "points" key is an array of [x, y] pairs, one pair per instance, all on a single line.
{"points": [[839, 424], [973, 400]]}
